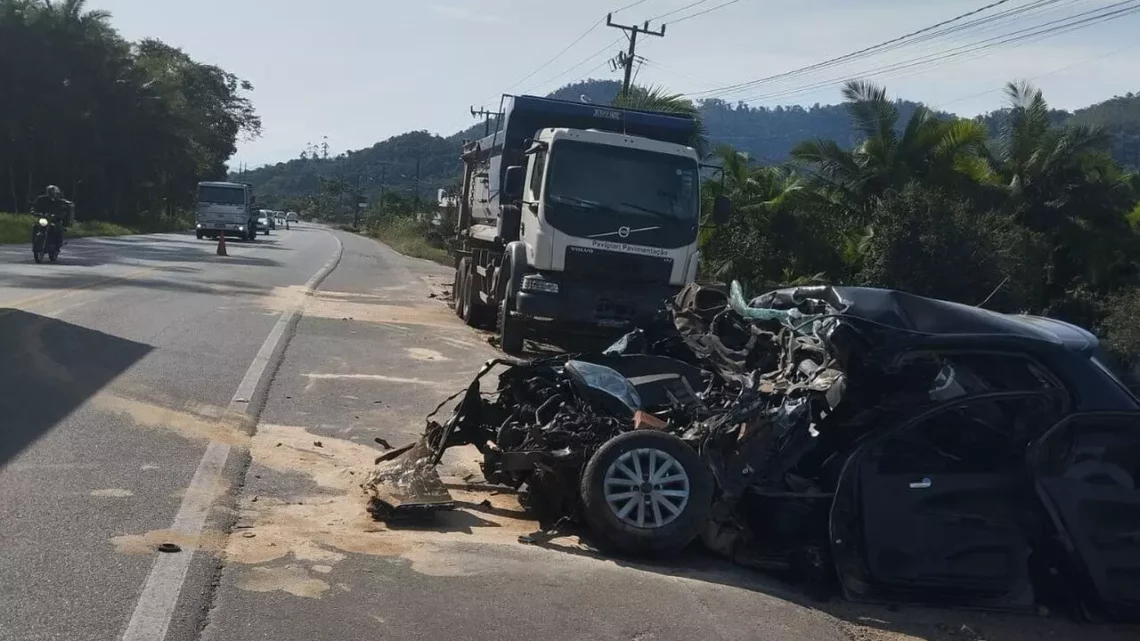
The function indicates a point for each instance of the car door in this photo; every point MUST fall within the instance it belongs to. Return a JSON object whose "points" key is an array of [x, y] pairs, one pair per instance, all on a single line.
{"points": [[938, 500], [1087, 474]]}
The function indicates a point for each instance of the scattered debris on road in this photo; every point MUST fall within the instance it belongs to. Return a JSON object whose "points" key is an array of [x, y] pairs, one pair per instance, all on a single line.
{"points": [[863, 438]]}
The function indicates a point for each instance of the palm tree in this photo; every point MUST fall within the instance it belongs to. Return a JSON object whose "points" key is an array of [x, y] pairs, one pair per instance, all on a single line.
{"points": [[656, 98], [927, 149], [1060, 181]]}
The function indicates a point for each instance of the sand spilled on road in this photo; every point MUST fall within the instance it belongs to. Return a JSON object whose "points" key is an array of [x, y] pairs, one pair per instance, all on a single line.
{"points": [[197, 422], [365, 308], [317, 531]]}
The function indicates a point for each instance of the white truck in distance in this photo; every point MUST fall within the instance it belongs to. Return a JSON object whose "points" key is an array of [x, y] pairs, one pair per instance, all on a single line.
{"points": [[226, 208], [576, 216]]}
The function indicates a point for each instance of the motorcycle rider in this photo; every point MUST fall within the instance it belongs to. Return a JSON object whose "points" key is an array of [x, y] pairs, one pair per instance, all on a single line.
{"points": [[52, 205]]}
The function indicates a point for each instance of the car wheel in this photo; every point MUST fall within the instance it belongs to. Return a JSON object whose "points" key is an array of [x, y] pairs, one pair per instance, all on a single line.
{"points": [[460, 288], [510, 329], [199, 235], [646, 492]]}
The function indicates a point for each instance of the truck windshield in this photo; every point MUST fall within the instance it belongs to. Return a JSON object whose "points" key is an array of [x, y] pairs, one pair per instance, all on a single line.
{"points": [[221, 195], [590, 176]]}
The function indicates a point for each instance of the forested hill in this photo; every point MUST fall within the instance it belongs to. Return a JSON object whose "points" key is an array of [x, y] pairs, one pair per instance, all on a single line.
{"points": [[766, 134]]}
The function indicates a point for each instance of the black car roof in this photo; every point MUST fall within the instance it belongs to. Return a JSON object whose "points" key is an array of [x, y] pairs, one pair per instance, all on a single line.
{"points": [[931, 316]]}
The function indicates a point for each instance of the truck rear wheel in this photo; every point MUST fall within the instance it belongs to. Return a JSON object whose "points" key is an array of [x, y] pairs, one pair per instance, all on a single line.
{"points": [[459, 290], [475, 311]]}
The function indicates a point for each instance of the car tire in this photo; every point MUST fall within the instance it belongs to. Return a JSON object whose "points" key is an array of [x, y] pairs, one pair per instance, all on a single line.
{"points": [[460, 288], [199, 235], [511, 330], [614, 516]]}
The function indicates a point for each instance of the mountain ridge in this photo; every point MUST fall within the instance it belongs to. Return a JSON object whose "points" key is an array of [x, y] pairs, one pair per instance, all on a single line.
{"points": [[766, 134]]}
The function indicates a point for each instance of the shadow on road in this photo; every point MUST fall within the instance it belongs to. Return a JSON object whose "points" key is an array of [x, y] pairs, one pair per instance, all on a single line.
{"points": [[48, 368]]}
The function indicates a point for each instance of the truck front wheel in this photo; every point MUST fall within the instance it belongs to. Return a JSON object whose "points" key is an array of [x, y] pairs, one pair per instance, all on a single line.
{"points": [[510, 329]]}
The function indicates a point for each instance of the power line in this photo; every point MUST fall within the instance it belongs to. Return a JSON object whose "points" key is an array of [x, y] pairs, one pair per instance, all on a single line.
{"points": [[675, 11], [1037, 32], [584, 61], [568, 47], [853, 54], [556, 56], [709, 10], [1049, 73]]}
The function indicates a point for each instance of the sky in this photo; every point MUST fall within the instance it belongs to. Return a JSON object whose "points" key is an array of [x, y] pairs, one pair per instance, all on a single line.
{"points": [[361, 71]]}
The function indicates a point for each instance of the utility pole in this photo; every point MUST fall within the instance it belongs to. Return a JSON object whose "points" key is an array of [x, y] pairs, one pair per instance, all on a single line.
{"points": [[417, 183], [626, 59], [380, 205], [486, 118]]}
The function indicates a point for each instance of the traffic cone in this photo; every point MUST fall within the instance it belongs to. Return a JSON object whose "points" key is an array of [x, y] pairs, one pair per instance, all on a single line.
{"points": [[222, 245]]}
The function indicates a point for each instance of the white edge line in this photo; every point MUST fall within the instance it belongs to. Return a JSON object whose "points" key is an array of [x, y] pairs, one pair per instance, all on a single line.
{"points": [[155, 607]]}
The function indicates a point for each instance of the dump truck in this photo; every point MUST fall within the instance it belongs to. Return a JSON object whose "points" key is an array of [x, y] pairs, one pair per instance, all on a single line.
{"points": [[575, 216], [226, 208]]}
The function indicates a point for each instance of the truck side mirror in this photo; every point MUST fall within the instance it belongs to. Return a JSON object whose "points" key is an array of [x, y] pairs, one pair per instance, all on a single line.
{"points": [[722, 210], [512, 182], [252, 199]]}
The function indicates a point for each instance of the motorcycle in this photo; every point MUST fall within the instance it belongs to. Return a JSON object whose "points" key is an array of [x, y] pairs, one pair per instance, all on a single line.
{"points": [[47, 232], [47, 239]]}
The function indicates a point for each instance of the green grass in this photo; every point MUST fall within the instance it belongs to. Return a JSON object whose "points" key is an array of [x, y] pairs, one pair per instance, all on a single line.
{"points": [[17, 228], [408, 237]]}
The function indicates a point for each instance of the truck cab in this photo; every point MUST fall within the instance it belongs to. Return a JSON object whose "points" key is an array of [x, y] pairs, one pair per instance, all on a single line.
{"points": [[226, 208], [609, 223], [576, 215]]}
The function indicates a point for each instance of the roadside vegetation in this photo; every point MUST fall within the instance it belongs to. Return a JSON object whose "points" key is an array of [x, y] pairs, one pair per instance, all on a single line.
{"points": [[126, 129], [17, 228], [408, 236], [1024, 215]]}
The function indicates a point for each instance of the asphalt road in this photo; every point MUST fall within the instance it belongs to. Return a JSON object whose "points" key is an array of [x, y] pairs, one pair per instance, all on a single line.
{"points": [[154, 392], [117, 367]]}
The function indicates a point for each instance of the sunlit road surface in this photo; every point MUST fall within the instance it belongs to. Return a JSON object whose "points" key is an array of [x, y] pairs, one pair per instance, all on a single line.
{"points": [[156, 393]]}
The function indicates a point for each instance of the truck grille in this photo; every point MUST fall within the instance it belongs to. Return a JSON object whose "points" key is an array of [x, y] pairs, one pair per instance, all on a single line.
{"points": [[616, 267]]}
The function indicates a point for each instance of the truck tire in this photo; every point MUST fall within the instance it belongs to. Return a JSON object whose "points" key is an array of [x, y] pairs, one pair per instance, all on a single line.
{"points": [[617, 511], [461, 277], [475, 310], [199, 234], [511, 330]]}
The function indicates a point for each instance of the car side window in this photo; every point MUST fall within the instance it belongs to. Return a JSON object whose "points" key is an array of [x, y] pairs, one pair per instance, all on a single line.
{"points": [[1098, 450], [988, 436], [963, 375], [536, 174]]}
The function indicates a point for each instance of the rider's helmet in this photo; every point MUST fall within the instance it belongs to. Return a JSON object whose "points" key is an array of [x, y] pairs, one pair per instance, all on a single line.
{"points": [[54, 192]]}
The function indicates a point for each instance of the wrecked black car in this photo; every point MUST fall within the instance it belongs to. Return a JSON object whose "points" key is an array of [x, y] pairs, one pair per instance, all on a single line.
{"points": [[897, 447]]}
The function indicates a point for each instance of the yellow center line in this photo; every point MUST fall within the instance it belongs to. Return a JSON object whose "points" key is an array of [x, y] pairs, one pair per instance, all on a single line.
{"points": [[31, 301]]}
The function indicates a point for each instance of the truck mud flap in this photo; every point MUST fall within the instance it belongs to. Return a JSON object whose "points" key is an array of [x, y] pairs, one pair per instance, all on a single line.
{"points": [[405, 485]]}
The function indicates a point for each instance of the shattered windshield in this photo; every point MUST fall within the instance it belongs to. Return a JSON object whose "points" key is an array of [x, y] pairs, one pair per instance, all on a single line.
{"points": [[652, 185]]}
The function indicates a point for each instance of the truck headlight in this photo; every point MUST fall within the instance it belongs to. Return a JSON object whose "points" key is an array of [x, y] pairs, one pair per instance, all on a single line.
{"points": [[43, 222], [241, 227], [536, 283]]}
